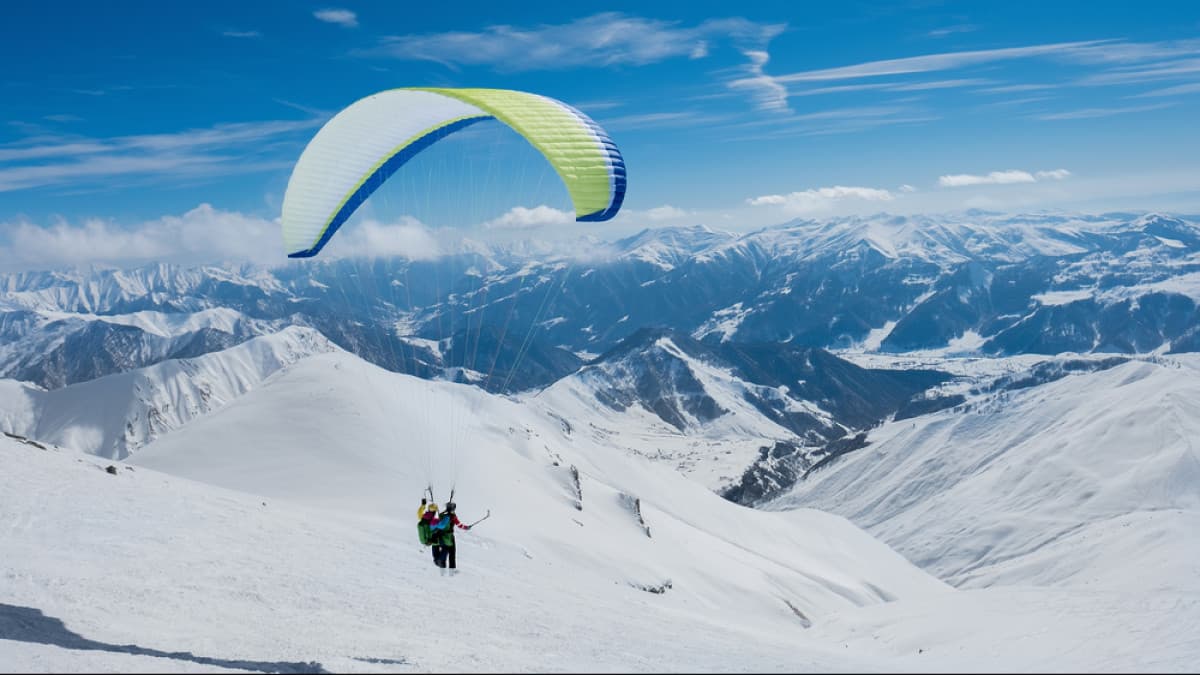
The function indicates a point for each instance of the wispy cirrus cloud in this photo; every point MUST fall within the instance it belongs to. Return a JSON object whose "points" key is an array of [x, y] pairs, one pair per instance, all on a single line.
{"points": [[605, 39], [830, 121], [951, 30], [657, 120], [64, 118], [1016, 88], [926, 85], [819, 200], [1008, 177], [45, 160], [939, 84], [1103, 62], [766, 90], [588, 106], [931, 62], [1177, 90], [1088, 113], [342, 17], [1153, 72], [244, 34]]}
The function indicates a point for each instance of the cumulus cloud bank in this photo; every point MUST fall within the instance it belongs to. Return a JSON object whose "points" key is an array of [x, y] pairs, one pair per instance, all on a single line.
{"points": [[202, 235]]}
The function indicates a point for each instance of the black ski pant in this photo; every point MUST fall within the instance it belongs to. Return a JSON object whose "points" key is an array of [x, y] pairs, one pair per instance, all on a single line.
{"points": [[443, 554]]}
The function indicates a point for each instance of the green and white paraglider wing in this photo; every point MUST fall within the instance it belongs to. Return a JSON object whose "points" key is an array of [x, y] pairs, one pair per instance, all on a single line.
{"points": [[363, 145]]}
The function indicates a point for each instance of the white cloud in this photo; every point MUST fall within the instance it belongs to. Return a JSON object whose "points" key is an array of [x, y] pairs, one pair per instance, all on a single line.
{"points": [[409, 238], [993, 178], [203, 234], [200, 236], [951, 30], [820, 199], [1129, 62], [658, 120], [907, 188], [241, 33], [1017, 88], [1056, 174], [938, 84], [931, 62], [605, 39], [833, 121], [1088, 113], [665, 212], [768, 93], [522, 218], [1178, 90], [1009, 177], [342, 17]]}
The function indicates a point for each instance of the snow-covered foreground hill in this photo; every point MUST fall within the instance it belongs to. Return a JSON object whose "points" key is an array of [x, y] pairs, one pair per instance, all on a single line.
{"points": [[276, 534], [1092, 480], [336, 433]]}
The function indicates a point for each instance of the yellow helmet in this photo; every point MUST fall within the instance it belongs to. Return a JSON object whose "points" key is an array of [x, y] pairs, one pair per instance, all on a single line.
{"points": [[431, 507]]}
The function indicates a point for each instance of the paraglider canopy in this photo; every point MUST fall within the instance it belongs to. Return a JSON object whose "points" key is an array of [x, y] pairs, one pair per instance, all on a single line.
{"points": [[364, 144]]}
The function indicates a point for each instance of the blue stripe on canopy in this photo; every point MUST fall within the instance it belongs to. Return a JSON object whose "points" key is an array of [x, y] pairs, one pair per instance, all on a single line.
{"points": [[381, 174]]}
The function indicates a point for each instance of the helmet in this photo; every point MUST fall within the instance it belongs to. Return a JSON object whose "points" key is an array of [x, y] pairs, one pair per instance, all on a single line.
{"points": [[432, 507], [449, 507]]}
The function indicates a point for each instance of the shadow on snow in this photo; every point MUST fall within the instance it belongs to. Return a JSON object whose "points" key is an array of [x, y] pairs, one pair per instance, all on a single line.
{"points": [[26, 624]]}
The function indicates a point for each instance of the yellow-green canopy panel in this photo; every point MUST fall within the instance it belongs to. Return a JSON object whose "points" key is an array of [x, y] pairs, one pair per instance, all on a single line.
{"points": [[363, 145]]}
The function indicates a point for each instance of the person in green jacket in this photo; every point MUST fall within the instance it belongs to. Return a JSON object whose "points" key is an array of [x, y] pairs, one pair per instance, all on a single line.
{"points": [[442, 531]]}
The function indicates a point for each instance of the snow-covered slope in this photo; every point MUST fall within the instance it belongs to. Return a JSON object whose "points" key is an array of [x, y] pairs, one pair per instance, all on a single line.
{"points": [[143, 571], [335, 432], [1092, 479], [115, 415], [313, 565]]}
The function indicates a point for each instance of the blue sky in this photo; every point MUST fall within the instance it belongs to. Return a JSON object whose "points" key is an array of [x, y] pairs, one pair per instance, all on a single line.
{"points": [[125, 117]]}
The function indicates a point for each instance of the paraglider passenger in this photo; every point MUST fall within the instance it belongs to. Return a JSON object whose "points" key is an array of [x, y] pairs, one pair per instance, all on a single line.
{"points": [[426, 517]]}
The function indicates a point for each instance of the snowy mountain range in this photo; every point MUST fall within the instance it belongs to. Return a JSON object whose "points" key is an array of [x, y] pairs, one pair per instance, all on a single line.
{"points": [[709, 350], [518, 318]]}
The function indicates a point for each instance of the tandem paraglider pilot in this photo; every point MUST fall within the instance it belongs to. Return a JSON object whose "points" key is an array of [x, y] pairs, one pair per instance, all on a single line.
{"points": [[436, 530]]}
